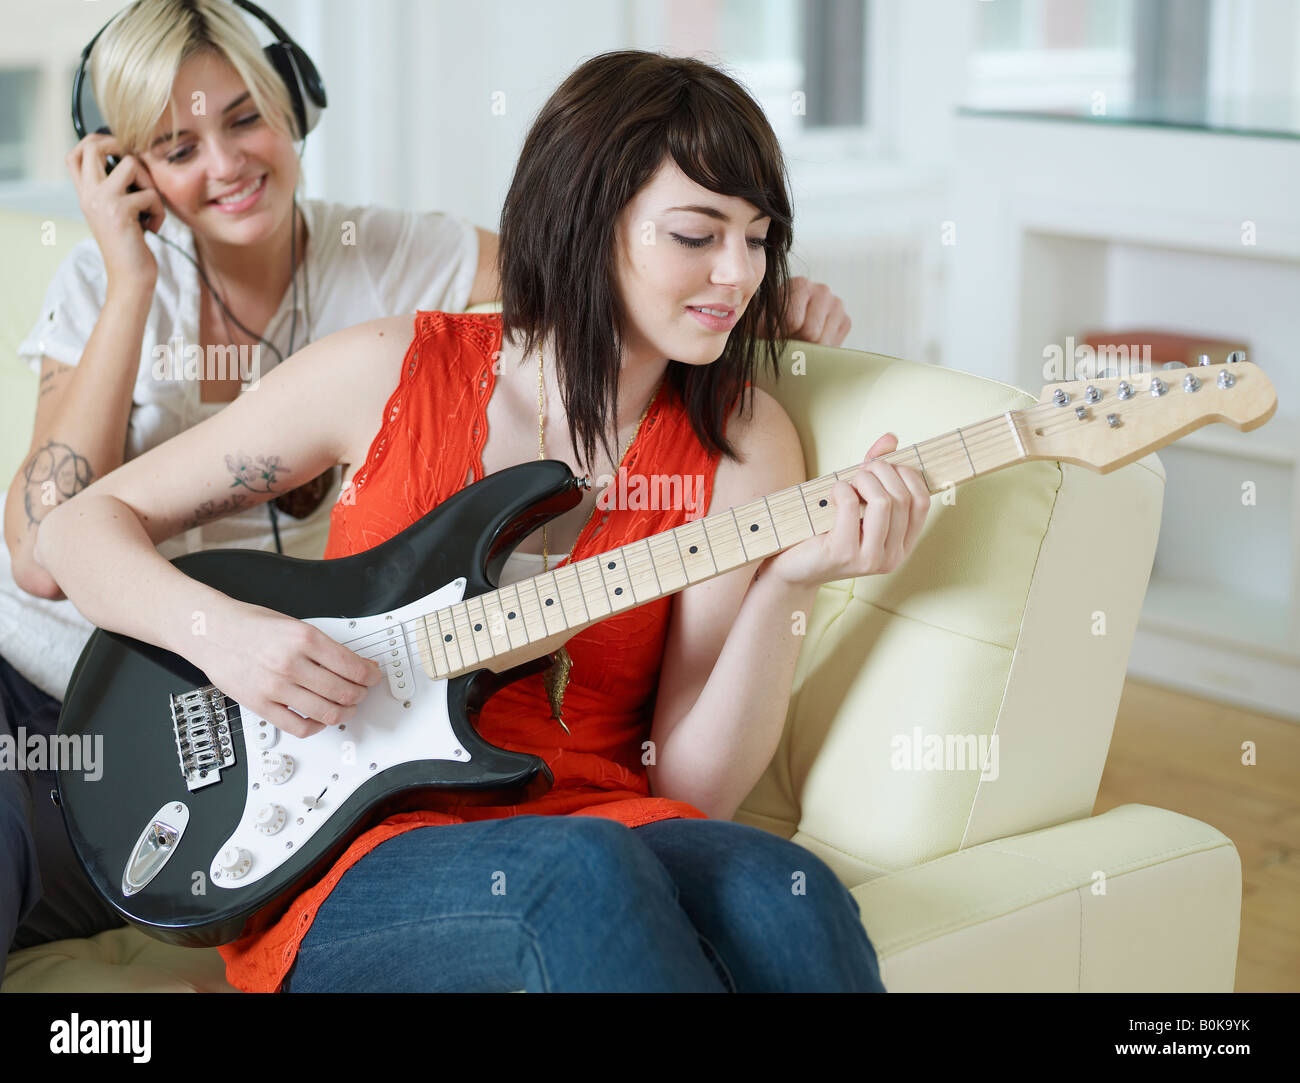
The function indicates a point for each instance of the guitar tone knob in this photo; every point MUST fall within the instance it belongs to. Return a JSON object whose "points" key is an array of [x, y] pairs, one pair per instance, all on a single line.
{"points": [[235, 862], [277, 767], [271, 818]]}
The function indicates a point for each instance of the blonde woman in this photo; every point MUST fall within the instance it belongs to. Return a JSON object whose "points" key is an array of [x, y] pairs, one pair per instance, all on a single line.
{"points": [[124, 344]]}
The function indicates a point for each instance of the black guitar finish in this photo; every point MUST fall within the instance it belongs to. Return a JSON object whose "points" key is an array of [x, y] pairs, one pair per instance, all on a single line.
{"points": [[120, 689]]}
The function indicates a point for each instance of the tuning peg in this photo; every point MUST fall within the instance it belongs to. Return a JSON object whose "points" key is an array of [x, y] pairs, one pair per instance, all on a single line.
{"points": [[1235, 356], [1179, 364], [1203, 359]]}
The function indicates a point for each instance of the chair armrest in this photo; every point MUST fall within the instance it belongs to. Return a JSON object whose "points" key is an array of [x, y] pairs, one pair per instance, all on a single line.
{"points": [[1028, 913]]}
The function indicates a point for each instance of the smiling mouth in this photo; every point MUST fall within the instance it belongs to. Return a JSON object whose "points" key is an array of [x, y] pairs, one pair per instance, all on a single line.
{"points": [[243, 194]]}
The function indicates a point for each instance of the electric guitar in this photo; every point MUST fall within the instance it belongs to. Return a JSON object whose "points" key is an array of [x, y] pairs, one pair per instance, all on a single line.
{"points": [[208, 820]]}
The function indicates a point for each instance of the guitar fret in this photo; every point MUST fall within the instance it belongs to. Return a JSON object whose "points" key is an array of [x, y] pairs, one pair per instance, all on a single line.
{"points": [[514, 605], [639, 551], [428, 656], [697, 551], [723, 548], [482, 634], [803, 500], [567, 594], [494, 620], [964, 448], [464, 634], [756, 541], [552, 627], [584, 570], [924, 478], [673, 582], [622, 585], [449, 641]]}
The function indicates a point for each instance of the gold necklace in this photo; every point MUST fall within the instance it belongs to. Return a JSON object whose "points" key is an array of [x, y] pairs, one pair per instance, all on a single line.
{"points": [[556, 678]]}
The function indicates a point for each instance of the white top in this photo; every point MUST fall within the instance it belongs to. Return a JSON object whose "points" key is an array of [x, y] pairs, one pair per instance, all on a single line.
{"points": [[361, 263], [524, 566]]}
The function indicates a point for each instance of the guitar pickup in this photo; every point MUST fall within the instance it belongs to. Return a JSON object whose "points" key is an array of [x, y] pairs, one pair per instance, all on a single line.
{"points": [[396, 660]]}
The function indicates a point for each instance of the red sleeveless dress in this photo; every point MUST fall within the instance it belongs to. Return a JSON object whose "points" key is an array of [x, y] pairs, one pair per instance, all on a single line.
{"points": [[430, 440]]}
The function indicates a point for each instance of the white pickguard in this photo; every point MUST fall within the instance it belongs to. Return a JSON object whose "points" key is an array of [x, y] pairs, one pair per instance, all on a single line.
{"points": [[401, 719]]}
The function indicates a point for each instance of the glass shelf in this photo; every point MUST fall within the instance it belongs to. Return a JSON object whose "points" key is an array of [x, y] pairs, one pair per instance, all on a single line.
{"points": [[1271, 118]]}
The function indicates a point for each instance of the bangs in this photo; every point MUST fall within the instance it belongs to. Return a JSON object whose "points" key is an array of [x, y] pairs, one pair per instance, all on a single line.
{"points": [[717, 153]]}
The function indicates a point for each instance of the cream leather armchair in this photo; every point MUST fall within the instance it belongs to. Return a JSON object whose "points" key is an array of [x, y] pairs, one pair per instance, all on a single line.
{"points": [[988, 874]]}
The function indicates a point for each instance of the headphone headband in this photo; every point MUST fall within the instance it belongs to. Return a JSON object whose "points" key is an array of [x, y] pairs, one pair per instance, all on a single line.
{"points": [[289, 61]]}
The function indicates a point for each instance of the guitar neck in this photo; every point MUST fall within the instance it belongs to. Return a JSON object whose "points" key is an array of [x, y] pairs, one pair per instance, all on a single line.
{"points": [[527, 619]]}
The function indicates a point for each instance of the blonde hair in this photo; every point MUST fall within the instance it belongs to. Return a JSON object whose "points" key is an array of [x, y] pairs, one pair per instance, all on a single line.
{"points": [[135, 62]]}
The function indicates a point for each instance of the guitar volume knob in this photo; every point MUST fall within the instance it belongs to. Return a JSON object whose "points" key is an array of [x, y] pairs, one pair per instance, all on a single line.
{"points": [[271, 818], [277, 767], [235, 862]]}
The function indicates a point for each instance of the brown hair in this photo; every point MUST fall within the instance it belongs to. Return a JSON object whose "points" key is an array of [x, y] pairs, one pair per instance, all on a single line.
{"points": [[597, 141]]}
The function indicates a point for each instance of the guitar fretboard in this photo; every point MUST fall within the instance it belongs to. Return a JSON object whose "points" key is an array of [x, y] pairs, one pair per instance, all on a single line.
{"points": [[507, 626]]}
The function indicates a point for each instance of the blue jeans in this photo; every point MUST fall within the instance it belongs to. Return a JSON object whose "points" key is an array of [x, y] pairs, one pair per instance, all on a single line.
{"points": [[584, 904], [44, 894]]}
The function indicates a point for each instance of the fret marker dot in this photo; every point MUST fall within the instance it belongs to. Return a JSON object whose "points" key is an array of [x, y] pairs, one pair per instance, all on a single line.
{"points": [[511, 615], [694, 548], [478, 627], [447, 638], [618, 590], [550, 601], [611, 564], [753, 526], [821, 503]]}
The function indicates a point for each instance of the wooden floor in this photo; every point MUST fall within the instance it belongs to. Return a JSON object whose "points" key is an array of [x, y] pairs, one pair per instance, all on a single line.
{"points": [[1184, 753]]}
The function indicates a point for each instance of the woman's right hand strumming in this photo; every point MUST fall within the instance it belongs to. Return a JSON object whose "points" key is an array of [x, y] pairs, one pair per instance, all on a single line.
{"points": [[277, 665], [113, 212], [314, 410]]}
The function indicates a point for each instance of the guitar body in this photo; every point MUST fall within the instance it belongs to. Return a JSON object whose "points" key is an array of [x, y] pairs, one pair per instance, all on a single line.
{"points": [[150, 831]]}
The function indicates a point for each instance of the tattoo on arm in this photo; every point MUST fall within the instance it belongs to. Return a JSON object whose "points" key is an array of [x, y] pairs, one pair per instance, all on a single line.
{"points": [[53, 474], [51, 378], [214, 509], [256, 475]]}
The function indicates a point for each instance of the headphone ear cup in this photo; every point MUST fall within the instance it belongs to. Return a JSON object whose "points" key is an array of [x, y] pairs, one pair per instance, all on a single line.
{"points": [[277, 55], [86, 116], [299, 75]]}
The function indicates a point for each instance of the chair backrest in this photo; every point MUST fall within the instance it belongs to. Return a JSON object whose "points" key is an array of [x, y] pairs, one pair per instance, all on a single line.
{"points": [[1012, 619]]}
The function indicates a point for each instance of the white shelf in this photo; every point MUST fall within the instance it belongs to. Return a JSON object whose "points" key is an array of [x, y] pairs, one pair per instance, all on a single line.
{"points": [[1145, 234], [1211, 611], [1277, 440]]}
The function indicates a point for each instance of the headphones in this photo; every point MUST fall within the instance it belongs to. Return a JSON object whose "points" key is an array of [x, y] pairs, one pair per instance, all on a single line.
{"points": [[291, 63], [306, 95]]}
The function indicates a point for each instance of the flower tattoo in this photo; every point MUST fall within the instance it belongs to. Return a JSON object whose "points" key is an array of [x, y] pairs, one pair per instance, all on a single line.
{"points": [[256, 475]]}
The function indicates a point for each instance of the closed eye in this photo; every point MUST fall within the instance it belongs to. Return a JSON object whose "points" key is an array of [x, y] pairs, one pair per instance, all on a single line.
{"points": [[700, 242], [183, 153]]}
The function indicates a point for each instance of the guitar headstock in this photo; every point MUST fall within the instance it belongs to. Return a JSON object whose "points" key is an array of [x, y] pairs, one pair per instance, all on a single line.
{"points": [[1106, 424]]}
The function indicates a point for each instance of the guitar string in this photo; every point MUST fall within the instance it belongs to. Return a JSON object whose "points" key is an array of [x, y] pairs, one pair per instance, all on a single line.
{"points": [[425, 654], [932, 463], [996, 433], [524, 604]]}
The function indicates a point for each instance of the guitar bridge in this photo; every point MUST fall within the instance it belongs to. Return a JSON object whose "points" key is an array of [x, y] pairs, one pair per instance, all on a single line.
{"points": [[201, 721]]}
